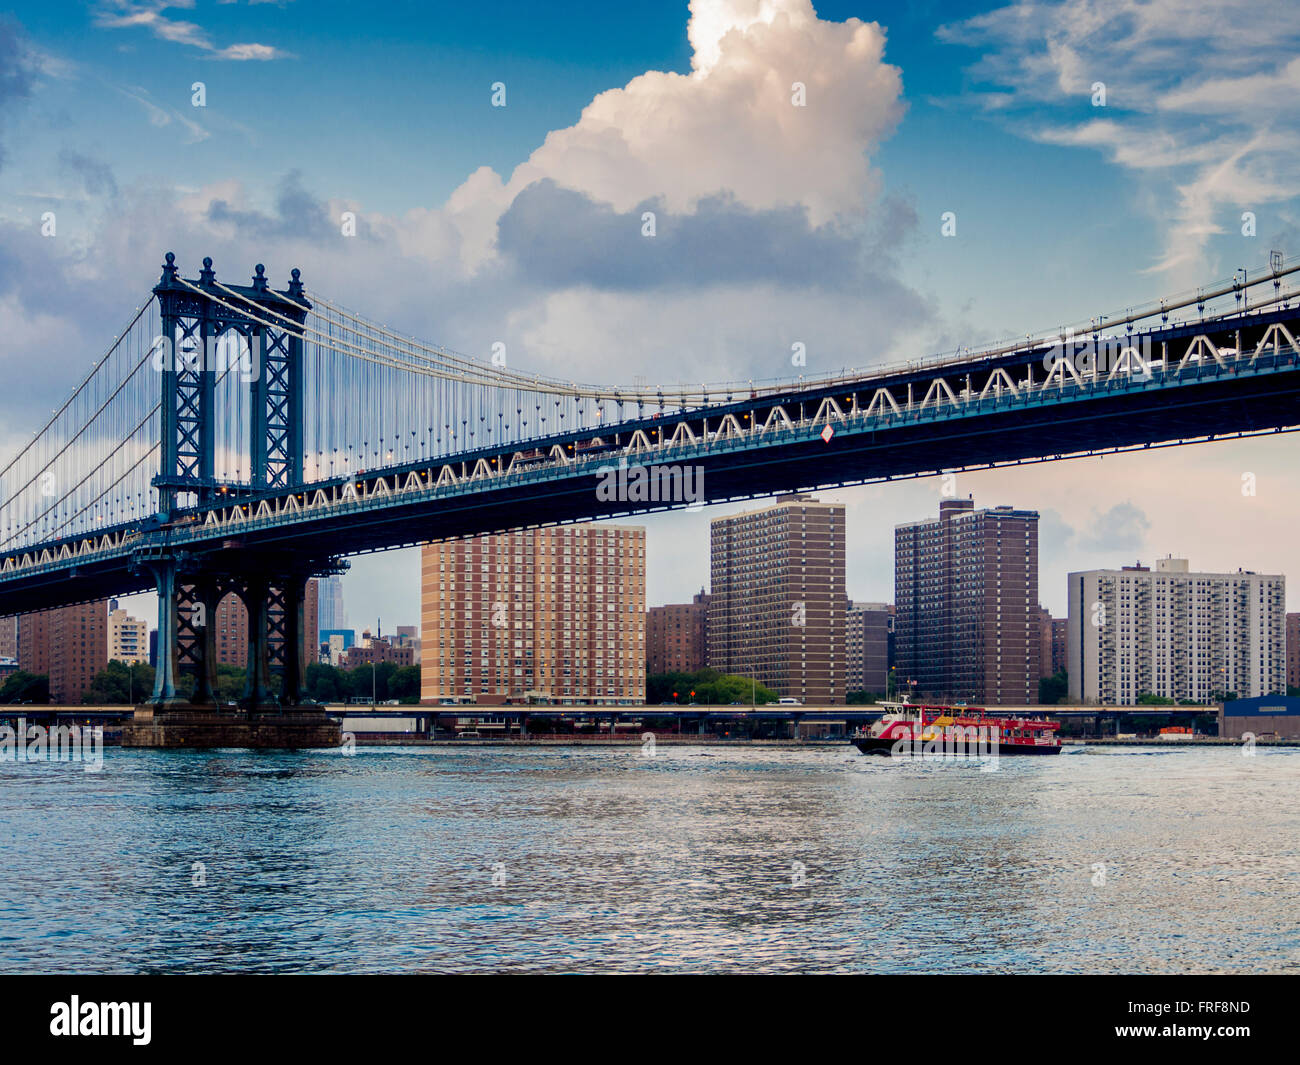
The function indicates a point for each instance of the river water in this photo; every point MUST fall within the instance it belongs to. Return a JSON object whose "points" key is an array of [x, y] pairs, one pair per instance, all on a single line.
{"points": [[813, 859]]}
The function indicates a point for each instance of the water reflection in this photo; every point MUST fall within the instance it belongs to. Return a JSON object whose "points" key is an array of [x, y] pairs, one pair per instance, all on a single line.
{"points": [[696, 860]]}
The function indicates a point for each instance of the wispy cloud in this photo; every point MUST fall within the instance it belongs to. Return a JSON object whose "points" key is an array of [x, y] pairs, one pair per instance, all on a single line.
{"points": [[150, 15], [165, 116], [1195, 98]]}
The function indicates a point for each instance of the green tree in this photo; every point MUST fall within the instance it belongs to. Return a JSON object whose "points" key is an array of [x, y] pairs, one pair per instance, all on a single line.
{"points": [[367, 681], [324, 683], [118, 684], [1150, 699], [1053, 689], [231, 683], [22, 687], [404, 684], [711, 688]]}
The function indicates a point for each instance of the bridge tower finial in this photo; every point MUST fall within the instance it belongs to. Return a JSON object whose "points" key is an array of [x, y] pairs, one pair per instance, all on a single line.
{"points": [[295, 282], [169, 269], [207, 275], [259, 278]]}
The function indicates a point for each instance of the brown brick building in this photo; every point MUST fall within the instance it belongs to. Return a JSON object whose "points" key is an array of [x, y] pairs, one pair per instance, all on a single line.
{"points": [[553, 614], [68, 644], [966, 595], [778, 606], [377, 649], [1044, 643], [1060, 646], [676, 638], [8, 637], [232, 628], [868, 630]]}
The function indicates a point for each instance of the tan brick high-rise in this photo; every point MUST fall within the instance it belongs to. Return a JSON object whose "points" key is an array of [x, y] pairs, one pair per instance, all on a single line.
{"points": [[555, 614], [778, 606]]}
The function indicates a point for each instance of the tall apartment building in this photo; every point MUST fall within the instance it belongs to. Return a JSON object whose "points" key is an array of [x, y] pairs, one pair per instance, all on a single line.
{"points": [[68, 644], [552, 614], [1292, 650], [868, 630], [232, 628], [966, 603], [1060, 645], [1044, 643], [777, 611], [8, 637], [1175, 633], [128, 637], [677, 636], [232, 632]]}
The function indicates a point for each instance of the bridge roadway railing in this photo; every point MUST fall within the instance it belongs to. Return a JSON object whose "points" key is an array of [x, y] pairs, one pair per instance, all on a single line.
{"points": [[871, 409]]}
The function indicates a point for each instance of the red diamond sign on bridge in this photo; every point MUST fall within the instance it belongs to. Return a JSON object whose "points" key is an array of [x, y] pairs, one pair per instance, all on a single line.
{"points": [[827, 433]]}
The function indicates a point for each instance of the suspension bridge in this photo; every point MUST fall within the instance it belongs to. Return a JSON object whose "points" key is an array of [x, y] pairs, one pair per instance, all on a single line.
{"points": [[244, 438]]}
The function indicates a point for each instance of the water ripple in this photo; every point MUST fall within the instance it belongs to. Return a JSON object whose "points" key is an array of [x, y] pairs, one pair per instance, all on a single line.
{"points": [[596, 859]]}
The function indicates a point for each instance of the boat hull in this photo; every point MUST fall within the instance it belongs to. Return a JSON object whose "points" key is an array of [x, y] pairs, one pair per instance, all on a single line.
{"points": [[885, 745]]}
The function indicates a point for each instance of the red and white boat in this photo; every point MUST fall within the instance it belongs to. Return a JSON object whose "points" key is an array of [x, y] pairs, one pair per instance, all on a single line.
{"points": [[943, 731]]}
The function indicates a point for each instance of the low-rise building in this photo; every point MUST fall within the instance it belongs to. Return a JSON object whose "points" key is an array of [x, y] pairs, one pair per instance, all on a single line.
{"points": [[372, 650], [1270, 717]]}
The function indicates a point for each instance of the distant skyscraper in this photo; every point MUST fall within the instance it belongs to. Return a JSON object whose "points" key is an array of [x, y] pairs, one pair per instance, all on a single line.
{"points": [[1176, 634], [676, 636], [777, 611], [332, 615], [966, 597], [554, 614], [8, 637]]}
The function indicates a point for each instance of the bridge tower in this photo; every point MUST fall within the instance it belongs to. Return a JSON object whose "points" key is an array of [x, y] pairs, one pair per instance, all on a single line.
{"points": [[211, 331], [206, 332]]}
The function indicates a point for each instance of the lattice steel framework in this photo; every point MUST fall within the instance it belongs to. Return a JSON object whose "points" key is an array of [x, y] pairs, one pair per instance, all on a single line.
{"points": [[193, 351]]}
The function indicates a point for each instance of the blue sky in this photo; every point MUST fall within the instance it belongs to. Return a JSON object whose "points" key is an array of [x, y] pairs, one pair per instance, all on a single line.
{"points": [[1064, 209]]}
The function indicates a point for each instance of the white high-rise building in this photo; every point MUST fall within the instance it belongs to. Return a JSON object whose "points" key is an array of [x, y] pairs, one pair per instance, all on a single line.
{"points": [[1174, 633]]}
